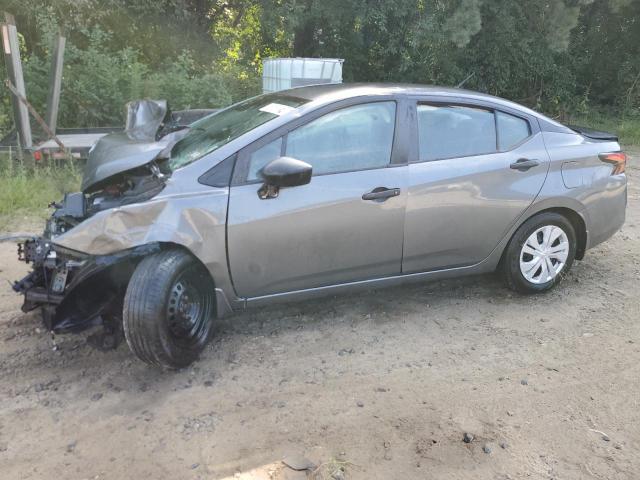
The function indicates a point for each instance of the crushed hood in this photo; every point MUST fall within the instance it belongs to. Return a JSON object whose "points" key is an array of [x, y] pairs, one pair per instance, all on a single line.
{"points": [[117, 153], [133, 148], [145, 117]]}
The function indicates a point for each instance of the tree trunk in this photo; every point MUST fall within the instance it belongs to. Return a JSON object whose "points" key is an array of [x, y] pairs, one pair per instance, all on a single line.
{"points": [[303, 43]]}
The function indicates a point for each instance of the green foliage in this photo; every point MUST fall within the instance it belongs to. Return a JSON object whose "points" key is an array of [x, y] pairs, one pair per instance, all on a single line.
{"points": [[102, 72], [626, 126], [559, 56], [464, 23], [554, 55], [578, 60], [26, 192]]}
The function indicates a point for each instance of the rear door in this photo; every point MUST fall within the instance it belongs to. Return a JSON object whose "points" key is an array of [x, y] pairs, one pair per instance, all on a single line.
{"points": [[332, 230], [476, 171]]}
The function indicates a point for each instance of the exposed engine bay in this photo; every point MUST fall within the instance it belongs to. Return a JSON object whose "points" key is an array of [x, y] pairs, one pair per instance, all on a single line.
{"points": [[74, 290], [77, 291], [133, 186]]}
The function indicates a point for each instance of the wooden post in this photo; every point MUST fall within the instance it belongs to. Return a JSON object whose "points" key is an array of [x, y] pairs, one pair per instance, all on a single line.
{"points": [[55, 83], [35, 114], [11, 48]]}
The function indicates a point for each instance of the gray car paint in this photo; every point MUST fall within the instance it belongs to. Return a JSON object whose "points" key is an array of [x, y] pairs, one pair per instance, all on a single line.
{"points": [[194, 216], [317, 234], [322, 233], [460, 208], [600, 198], [118, 152], [136, 146]]}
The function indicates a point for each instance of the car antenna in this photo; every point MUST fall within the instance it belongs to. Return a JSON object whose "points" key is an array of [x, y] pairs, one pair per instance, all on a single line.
{"points": [[465, 80]]}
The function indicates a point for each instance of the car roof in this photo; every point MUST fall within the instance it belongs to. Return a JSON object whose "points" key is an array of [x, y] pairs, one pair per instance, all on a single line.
{"points": [[328, 93], [345, 90]]}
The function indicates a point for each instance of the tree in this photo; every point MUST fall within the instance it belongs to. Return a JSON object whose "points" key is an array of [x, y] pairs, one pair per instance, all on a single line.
{"points": [[555, 55]]}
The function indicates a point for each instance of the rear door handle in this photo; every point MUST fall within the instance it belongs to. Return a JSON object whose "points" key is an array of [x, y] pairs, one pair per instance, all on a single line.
{"points": [[380, 194], [524, 164]]}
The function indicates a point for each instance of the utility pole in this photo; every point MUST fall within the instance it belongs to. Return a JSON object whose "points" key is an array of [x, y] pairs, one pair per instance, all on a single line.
{"points": [[55, 82], [11, 48]]}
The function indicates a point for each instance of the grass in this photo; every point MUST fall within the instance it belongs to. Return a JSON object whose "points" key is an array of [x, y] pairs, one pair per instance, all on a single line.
{"points": [[26, 192], [334, 468]]}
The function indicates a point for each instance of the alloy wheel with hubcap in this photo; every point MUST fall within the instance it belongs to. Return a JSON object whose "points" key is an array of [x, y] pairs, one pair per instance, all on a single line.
{"points": [[540, 252], [544, 254]]}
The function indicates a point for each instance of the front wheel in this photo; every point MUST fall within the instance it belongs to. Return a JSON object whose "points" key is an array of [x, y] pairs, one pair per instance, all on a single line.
{"points": [[168, 308], [540, 253]]}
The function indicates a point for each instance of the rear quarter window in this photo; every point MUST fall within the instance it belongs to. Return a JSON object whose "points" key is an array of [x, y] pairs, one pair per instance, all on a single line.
{"points": [[450, 131], [511, 130]]}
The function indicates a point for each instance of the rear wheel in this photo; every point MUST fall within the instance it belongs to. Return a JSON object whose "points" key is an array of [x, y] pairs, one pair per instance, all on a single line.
{"points": [[168, 308], [540, 253]]}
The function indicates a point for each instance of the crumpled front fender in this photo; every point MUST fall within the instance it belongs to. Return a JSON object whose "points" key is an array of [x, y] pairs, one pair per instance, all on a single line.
{"points": [[195, 221]]}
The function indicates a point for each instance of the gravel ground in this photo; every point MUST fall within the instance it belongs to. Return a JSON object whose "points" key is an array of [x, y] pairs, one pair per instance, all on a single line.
{"points": [[377, 385]]}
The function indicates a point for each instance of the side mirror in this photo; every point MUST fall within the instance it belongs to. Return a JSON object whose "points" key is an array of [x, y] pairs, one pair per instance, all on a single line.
{"points": [[283, 172]]}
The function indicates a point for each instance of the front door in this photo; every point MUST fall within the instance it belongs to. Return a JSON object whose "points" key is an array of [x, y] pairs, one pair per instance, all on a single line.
{"points": [[477, 171], [331, 230]]}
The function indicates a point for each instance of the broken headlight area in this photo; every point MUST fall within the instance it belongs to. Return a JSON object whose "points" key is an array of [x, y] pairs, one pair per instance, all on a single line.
{"points": [[66, 215], [134, 186], [76, 291]]}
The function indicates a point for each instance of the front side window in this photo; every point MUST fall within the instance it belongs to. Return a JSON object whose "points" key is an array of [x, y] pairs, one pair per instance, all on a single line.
{"points": [[450, 131], [262, 156], [352, 138], [214, 131]]}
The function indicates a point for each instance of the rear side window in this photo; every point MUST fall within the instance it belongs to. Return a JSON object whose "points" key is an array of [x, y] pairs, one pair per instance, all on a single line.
{"points": [[352, 138], [511, 130], [449, 131]]}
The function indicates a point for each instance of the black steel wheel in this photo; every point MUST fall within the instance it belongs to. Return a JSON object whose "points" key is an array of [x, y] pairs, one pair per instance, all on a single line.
{"points": [[168, 309]]}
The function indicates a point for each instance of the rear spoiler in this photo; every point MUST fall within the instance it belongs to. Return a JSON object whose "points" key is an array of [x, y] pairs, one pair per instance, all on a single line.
{"points": [[594, 134]]}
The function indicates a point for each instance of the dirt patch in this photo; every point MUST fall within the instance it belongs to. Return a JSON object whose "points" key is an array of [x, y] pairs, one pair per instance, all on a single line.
{"points": [[383, 385]]}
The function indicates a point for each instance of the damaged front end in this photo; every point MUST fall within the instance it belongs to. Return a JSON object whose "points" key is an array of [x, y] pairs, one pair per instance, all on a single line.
{"points": [[75, 290]]}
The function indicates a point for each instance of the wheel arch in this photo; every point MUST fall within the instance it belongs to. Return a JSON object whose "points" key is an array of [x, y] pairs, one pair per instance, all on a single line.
{"points": [[162, 326], [167, 245], [106, 278], [575, 218], [195, 222], [579, 227], [222, 305]]}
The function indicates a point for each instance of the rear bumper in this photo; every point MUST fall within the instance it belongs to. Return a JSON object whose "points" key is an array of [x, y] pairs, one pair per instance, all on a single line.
{"points": [[606, 211]]}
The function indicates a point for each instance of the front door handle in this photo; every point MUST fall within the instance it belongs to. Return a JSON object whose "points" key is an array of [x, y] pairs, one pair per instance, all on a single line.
{"points": [[524, 164], [380, 194]]}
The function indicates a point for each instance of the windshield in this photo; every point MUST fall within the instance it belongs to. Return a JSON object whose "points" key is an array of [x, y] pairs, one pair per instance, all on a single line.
{"points": [[214, 131]]}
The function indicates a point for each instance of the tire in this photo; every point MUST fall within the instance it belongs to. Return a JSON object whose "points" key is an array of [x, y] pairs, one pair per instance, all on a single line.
{"points": [[535, 270], [168, 307]]}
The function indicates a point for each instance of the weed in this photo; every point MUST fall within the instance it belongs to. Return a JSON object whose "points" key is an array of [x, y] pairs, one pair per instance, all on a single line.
{"points": [[332, 469], [26, 192]]}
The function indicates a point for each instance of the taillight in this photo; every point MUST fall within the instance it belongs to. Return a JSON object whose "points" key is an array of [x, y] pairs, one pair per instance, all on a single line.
{"points": [[617, 159], [37, 155]]}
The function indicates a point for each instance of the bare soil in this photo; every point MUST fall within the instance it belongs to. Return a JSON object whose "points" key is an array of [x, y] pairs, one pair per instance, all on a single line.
{"points": [[383, 384]]}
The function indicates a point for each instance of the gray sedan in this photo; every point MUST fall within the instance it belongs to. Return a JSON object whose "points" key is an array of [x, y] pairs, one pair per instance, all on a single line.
{"points": [[315, 191]]}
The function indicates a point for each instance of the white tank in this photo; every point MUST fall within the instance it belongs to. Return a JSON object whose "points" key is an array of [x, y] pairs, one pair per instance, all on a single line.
{"points": [[284, 73]]}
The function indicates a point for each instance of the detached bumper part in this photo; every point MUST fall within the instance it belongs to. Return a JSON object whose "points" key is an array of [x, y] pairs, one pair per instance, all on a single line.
{"points": [[75, 292]]}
